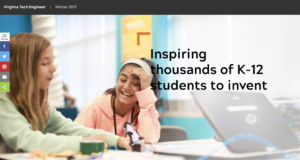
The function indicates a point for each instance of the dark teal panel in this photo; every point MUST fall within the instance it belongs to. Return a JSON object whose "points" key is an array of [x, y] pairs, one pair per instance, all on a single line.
{"points": [[15, 24], [68, 112], [119, 42], [196, 128], [160, 43]]}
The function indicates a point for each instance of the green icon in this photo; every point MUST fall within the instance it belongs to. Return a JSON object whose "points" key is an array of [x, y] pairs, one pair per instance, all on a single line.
{"points": [[4, 87]]}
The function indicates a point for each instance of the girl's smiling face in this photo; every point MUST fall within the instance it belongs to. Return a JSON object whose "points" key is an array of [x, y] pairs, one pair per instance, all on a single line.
{"points": [[127, 85], [46, 68]]}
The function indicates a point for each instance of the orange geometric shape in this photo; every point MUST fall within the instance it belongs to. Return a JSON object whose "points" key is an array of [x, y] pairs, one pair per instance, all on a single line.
{"points": [[138, 36]]}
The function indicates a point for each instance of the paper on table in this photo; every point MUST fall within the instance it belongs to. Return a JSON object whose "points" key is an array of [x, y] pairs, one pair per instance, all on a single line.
{"points": [[25, 156], [116, 155]]}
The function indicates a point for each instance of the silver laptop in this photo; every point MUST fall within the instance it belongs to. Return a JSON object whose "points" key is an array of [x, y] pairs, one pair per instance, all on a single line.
{"points": [[234, 113]]}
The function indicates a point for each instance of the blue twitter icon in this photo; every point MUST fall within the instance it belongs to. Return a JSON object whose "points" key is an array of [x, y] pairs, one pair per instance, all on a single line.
{"points": [[4, 56]]}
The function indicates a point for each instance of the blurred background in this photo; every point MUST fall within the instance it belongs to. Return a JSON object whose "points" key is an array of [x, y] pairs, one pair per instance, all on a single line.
{"points": [[89, 52]]}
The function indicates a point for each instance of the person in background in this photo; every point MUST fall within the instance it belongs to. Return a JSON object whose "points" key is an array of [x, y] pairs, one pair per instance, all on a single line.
{"points": [[131, 100], [27, 120], [69, 99]]}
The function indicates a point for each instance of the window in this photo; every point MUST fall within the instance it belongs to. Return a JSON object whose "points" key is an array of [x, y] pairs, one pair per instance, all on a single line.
{"points": [[87, 54]]}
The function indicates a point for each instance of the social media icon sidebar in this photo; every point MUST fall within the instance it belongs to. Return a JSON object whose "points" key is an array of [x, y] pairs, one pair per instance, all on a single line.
{"points": [[4, 61]]}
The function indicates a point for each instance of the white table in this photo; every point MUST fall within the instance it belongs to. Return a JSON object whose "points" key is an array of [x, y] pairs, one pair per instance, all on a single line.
{"points": [[199, 148], [110, 155], [195, 148]]}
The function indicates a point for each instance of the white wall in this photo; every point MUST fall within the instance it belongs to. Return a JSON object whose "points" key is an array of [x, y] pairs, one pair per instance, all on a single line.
{"points": [[270, 40]]}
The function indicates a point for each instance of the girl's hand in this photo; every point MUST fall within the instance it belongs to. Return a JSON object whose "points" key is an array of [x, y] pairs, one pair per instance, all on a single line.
{"points": [[124, 143], [143, 75]]}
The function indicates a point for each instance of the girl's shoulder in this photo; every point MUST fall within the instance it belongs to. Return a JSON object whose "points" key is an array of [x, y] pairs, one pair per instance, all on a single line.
{"points": [[99, 103], [50, 107], [6, 103], [103, 100]]}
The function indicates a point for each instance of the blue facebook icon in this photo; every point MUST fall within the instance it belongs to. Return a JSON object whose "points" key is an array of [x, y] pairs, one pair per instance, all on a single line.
{"points": [[4, 56], [4, 46]]}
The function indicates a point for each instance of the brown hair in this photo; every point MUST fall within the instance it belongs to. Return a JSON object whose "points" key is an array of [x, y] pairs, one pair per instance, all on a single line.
{"points": [[154, 80], [25, 51]]}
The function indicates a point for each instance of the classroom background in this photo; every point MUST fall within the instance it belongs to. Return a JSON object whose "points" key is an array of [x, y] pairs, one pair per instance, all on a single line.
{"points": [[89, 50]]}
